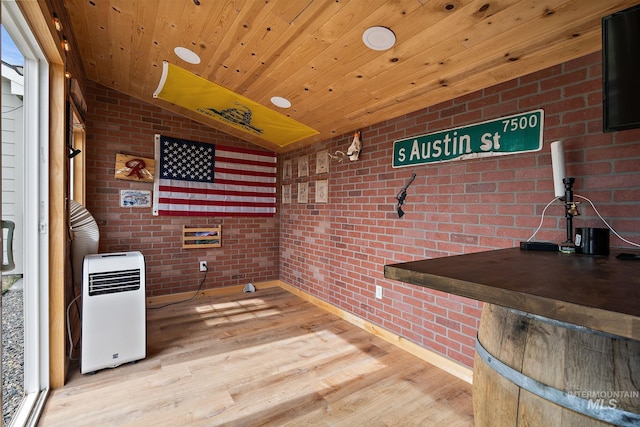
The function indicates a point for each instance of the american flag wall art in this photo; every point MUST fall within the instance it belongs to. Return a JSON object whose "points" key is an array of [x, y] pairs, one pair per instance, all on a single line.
{"points": [[200, 179]]}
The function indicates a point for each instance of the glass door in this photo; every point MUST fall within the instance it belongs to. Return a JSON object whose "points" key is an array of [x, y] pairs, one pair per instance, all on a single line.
{"points": [[25, 350], [12, 228]]}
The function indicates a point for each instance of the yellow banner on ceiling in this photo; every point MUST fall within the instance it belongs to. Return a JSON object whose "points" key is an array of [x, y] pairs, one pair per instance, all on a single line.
{"points": [[185, 89]]}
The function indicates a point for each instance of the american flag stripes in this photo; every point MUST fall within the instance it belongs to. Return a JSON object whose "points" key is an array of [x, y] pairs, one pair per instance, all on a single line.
{"points": [[199, 179]]}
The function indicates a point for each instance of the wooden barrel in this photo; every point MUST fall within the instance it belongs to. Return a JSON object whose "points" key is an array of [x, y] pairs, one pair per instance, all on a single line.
{"points": [[528, 371]]}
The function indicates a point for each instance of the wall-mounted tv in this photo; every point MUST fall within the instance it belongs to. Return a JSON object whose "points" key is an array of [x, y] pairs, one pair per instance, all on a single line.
{"points": [[621, 70]]}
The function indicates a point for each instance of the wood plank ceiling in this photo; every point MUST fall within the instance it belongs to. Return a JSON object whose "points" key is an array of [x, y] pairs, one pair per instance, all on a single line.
{"points": [[311, 51]]}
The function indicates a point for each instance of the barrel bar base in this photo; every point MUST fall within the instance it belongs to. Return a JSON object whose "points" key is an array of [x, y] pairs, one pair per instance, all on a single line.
{"points": [[575, 403]]}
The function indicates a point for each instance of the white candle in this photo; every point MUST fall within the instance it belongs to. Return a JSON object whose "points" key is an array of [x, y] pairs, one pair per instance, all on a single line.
{"points": [[557, 163]]}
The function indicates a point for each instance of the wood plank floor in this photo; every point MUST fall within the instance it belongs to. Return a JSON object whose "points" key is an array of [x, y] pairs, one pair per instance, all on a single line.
{"points": [[263, 358]]}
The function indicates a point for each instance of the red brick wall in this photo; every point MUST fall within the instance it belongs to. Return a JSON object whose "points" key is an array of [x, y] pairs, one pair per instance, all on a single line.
{"points": [[337, 251], [117, 123]]}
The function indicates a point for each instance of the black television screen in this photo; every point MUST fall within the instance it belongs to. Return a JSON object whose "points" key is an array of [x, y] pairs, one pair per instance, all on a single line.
{"points": [[621, 70]]}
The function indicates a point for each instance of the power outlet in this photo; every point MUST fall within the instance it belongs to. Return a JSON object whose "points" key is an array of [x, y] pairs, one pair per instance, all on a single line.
{"points": [[203, 265], [378, 292]]}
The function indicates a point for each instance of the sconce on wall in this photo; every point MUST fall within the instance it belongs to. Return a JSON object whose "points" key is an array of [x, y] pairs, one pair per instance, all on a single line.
{"points": [[353, 152]]}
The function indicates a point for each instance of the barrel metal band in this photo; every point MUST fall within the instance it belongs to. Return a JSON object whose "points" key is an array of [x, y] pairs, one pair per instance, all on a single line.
{"points": [[589, 408]]}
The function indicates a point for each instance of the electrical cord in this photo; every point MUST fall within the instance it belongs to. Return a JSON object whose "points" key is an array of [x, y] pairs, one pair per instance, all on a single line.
{"points": [[606, 223], [206, 270], [595, 210], [542, 219], [71, 345]]}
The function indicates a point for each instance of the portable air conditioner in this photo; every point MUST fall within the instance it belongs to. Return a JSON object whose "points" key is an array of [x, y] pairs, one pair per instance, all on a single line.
{"points": [[113, 310]]}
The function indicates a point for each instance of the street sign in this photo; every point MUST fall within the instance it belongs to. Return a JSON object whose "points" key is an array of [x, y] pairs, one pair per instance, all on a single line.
{"points": [[518, 133]]}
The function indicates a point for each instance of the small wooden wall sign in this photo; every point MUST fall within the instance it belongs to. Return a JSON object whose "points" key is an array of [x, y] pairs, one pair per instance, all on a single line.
{"points": [[133, 168]]}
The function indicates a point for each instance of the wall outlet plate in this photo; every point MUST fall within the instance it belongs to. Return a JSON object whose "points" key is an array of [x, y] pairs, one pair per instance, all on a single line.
{"points": [[203, 265], [378, 292]]}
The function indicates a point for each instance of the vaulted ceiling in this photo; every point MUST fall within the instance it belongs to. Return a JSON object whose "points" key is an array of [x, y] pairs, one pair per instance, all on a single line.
{"points": [[312, 53]]}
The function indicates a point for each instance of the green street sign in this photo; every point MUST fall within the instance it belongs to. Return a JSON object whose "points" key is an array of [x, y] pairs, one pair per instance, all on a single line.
{"points": [[519, 133]]}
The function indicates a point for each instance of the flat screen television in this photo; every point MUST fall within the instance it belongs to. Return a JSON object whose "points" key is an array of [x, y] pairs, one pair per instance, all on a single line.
{"points": [[621, 70]]}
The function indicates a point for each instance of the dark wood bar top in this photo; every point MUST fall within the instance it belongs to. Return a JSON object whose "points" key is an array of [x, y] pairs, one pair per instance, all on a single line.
{"points": [[597, 292]]}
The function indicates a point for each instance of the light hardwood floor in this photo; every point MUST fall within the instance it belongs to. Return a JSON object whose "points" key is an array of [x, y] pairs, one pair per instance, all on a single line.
{"points": [[263, 358]]}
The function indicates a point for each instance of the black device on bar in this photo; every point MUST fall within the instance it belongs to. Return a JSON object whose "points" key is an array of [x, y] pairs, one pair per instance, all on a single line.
{"points": [[539, 246]]}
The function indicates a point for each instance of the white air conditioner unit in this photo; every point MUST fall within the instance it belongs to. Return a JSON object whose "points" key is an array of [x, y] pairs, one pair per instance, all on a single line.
{"points": [[113, 310]]}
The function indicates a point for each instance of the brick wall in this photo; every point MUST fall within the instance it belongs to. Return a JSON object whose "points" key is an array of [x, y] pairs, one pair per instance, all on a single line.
{"points": [[117, 123], [337, 251]]}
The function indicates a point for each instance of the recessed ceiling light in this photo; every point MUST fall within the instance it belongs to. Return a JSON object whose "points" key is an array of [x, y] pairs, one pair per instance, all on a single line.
{"points": [[281, 102], [379, 38], [187, 55]]}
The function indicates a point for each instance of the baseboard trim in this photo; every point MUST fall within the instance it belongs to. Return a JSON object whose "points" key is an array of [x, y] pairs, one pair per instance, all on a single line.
{"points": [[462, 372]]}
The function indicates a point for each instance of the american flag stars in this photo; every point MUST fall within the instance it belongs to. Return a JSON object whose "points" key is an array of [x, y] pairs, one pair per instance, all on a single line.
{"points": [[188, 161]]}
